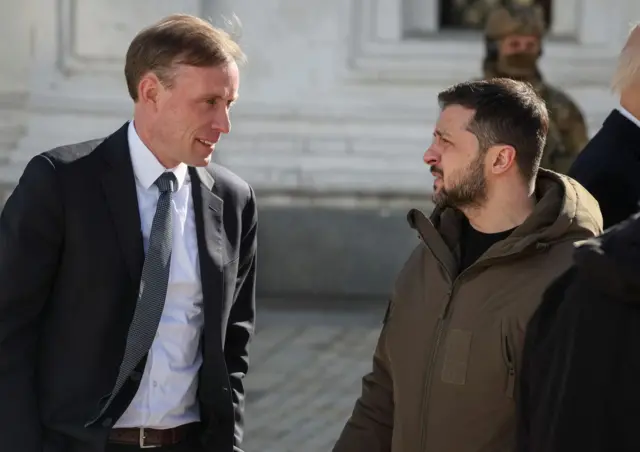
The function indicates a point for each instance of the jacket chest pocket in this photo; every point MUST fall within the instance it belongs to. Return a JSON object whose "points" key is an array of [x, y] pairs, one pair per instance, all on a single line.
{"points": [[509, 357]]}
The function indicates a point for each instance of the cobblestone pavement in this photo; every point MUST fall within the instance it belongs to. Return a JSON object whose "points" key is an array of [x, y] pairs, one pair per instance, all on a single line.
{"points": [[306, 370]]}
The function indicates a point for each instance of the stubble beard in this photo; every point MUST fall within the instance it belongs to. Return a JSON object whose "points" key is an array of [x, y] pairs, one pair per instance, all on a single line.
{"points": [[470, 190]]}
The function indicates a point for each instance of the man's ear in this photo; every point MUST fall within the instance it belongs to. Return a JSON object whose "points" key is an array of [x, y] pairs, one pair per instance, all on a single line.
{"points": [[503, 157], [149, 89]]}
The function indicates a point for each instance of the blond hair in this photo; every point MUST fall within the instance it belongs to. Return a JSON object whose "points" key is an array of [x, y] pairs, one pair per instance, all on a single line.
{"points": [[174, 40], [627, 73]]}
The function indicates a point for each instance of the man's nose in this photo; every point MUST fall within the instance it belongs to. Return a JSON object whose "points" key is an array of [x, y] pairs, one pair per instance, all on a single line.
{"points": [[431, 157], [222, 122]]}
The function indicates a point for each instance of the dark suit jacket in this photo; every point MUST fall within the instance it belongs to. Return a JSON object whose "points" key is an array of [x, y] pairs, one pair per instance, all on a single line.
{"points": [[609, 167], [71, 258], [578, 386]]}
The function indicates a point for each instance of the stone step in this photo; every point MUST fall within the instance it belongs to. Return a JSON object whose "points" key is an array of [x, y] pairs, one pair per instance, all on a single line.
{"points": [[12, 129], [10, 135]]}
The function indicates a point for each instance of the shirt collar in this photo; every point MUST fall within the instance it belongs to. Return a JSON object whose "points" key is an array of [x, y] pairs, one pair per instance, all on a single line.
{"points": [[146, 166], [624, 112]]}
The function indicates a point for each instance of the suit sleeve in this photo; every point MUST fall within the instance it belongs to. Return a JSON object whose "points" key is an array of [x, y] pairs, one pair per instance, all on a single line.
{"points": [[370, 427], [31, 229], [242, 316]]}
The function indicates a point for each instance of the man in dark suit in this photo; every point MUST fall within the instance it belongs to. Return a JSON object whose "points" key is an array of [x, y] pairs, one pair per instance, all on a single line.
{"points": [[578, 387], [128, 266], [610, 163]]}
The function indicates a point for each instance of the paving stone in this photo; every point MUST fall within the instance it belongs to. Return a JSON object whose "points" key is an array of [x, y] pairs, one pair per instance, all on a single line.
{"points": [[306, 371]]}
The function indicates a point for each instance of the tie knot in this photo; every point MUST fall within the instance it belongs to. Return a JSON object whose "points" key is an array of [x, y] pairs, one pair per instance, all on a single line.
{"points": [[167, 182]]}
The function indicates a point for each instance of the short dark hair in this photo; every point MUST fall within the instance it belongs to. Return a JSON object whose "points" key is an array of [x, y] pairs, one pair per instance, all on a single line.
{"points": [[506, 112], [177, 39]]}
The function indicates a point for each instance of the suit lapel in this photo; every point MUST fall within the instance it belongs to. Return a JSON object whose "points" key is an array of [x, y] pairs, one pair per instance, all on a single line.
{"points": [[118, 183], [208, 209]]}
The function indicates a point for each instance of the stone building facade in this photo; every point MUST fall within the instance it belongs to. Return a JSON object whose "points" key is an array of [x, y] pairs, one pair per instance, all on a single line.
{"points": [[337, 107]]}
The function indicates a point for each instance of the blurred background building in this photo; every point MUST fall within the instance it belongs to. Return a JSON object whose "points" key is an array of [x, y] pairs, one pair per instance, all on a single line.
{"points": [[337, 107]]}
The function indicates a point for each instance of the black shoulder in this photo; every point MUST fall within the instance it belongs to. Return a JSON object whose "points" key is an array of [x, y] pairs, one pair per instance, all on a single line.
{"points": [[70, 153], [81, 159]]}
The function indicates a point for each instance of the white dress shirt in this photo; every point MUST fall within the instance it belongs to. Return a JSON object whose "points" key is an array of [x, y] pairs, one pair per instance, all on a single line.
{"points": [[624, 112], [167, 394]]}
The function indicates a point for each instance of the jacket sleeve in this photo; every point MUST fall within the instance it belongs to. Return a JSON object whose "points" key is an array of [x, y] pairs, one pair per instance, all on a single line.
{"points": [[370, 427], [242, 316], [31, 230]]}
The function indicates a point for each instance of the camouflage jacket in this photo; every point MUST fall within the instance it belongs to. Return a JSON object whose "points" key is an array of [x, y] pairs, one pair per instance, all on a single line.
{"points": [[567, 129]]}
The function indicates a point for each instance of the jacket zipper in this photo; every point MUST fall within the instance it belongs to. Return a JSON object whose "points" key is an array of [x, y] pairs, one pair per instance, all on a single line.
{"points": [[440, 328], [426, 392]]}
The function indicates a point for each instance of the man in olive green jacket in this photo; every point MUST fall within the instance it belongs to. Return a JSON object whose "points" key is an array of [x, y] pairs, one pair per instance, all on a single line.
{"points": [[447, 360]]}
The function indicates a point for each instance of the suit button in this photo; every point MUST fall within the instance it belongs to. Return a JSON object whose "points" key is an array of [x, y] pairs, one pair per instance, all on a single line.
{"points": [[108, 422], [135, 376]]}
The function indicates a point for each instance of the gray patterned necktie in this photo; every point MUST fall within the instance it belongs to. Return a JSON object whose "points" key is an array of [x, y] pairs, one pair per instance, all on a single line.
{"points": [[153, 286]]}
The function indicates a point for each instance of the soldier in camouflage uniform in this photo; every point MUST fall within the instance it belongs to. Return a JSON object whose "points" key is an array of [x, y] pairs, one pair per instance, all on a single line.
{"points": [[513, 38]]}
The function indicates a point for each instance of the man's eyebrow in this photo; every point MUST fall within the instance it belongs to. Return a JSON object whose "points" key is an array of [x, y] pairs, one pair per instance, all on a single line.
{"points": [[442, 133], [212, 96]]}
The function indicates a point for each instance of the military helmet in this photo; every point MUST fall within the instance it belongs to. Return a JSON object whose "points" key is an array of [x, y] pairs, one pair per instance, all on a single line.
{"points": [[508, 20]]}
